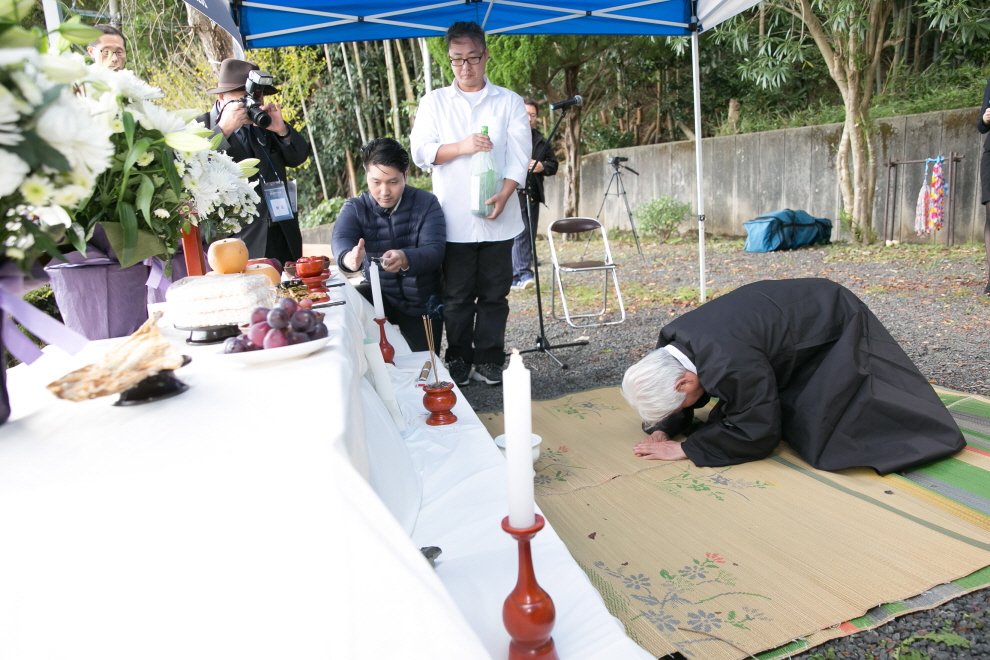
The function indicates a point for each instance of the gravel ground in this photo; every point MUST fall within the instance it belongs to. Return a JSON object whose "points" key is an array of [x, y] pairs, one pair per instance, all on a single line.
{"points": [[929, 298]]}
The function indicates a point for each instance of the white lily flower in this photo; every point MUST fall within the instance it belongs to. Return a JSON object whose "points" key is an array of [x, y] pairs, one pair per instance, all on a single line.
{"points": [[53, 216], [63, 69], [12, 172]]}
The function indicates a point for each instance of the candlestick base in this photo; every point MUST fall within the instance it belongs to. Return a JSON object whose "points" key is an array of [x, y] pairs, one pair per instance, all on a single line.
{"points": [[388, 351], [528, 612]]}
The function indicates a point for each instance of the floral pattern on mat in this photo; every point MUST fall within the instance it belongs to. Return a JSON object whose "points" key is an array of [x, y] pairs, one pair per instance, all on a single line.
{"points": [[553, 466], [581, 409], [713, 483], [671, 605]]}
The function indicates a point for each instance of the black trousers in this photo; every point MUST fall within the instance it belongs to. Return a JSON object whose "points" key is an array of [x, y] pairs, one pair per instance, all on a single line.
{"points": [[477, 280], [410, 325], [522, 247]]}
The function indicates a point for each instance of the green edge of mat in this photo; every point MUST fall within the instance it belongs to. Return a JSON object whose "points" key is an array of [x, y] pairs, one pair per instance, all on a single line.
{"points": [[973, 407], [949, 399], [959, 474]]}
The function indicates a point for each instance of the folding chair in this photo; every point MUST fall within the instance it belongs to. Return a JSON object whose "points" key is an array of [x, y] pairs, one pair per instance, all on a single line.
{"points": [[570, 226]]}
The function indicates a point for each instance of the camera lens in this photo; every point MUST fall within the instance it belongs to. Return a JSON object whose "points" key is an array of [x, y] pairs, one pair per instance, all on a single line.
{"points": [[259, 117]]}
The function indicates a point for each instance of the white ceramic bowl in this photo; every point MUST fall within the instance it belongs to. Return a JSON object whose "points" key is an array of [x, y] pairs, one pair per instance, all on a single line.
{"points": [[536, 441]]}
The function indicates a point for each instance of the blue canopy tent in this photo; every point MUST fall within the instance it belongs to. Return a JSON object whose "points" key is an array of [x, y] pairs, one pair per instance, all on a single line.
{"points": [[308, 22]]}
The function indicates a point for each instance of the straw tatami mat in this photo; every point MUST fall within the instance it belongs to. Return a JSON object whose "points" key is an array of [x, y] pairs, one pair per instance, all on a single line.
{"points": [[727, 562]]}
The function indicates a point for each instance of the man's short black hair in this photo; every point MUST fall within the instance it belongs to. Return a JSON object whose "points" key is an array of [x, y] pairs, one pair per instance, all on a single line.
{"points": [[532, 102], [387, 152], [107, 29], [466, 29]]}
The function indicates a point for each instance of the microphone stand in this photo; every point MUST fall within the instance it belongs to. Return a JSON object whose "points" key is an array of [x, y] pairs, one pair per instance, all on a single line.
{"points": [[543, 344]]}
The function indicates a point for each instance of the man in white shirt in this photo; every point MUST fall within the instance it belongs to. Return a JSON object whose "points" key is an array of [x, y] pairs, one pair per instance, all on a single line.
{"points": [[478, 263]]}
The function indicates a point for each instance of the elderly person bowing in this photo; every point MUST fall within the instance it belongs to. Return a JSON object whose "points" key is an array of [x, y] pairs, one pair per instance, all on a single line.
{"points": [[798, 360]]}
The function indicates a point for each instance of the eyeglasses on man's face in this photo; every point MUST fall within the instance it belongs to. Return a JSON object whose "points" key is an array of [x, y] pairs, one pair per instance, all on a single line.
{"points": [[107, 52], [458, 62]]}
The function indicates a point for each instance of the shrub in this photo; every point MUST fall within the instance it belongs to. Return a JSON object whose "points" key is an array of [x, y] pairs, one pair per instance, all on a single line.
{"points": [[324, 214], [661, 217]]}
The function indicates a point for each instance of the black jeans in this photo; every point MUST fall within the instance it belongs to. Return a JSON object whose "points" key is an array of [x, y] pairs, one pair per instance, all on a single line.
{"points": [[410, 326], [477, 280], [522, 246]]}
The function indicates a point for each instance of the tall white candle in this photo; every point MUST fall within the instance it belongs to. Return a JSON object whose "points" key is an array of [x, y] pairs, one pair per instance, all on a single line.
{"points": [[518, 417], [376, 291]]}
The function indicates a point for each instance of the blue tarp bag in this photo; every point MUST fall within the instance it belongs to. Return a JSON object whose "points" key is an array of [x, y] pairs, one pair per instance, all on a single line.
{"points": [[786, 230]]}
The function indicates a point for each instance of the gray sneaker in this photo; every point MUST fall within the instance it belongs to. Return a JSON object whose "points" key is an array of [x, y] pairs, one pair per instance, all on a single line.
{"points": [[460, 371], [489, 373]]}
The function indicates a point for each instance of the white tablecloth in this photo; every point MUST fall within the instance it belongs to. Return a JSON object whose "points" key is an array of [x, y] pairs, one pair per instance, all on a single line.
{"points": [[235, 520]]}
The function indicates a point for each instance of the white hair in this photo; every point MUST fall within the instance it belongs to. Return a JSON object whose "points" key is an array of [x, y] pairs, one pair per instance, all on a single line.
{"points": [[649, 386]]}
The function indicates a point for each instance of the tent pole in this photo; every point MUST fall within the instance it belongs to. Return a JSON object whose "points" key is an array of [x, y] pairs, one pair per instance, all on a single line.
{"points": [[695, 71], [427, 66], [53, 18]]}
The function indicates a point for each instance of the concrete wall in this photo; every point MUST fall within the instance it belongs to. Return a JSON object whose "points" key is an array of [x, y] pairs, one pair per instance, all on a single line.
{"points": [[755, 173]]}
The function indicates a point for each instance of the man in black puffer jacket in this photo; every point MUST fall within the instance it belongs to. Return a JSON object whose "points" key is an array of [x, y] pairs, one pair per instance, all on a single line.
{"points": [[406, 229]]}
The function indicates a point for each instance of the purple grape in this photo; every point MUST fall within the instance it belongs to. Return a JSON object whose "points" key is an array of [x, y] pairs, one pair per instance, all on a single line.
{"points": [[235, 344], [293, 337], [289, 305], [303, 321], [259, 314], [278, 318], [257, 332], [275, 339], [319, 331]]}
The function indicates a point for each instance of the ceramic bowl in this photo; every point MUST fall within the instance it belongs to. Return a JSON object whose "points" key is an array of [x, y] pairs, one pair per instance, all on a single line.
{"points": [[308, 268]]}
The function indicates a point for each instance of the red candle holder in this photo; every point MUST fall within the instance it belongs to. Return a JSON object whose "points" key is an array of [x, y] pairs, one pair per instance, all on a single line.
{"points": [[388, 351], [439, 399], [528, 612]]}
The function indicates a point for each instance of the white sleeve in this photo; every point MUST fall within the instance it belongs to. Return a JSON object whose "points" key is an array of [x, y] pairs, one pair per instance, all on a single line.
{"points": [[424, 140], [520, 143]]}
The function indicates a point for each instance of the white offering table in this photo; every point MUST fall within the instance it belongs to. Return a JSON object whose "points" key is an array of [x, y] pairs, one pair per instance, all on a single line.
{"points": [[265, 513]]}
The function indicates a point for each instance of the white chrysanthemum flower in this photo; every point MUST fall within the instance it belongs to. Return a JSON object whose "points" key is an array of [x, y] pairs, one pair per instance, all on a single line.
{"points": [[68, 127], [37, 190], [63, 69], [81, 176], [161, 213], [180, 167], [159, 119], [70, 196], [146, 159], [127, 84], [53, 216]]}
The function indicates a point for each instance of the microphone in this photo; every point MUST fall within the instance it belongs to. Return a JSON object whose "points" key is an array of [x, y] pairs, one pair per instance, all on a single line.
{"points": [[576, 100]]}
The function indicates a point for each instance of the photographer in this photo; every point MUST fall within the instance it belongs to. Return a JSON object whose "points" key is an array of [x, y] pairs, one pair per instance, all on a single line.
{"points": [[240, 115]]}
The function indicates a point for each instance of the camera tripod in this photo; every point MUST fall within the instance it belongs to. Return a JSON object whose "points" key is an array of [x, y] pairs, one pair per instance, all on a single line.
{"points": [[620, 188]]}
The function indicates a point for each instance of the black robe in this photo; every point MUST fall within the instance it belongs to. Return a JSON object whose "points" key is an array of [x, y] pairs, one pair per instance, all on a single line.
{"points": [[807, 362]]}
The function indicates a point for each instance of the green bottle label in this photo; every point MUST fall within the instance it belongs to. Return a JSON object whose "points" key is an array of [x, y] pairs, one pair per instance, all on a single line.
{"points": [[484, 130]]}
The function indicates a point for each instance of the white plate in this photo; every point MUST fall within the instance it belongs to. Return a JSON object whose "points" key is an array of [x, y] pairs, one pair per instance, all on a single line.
{"points": [[275, 354]]}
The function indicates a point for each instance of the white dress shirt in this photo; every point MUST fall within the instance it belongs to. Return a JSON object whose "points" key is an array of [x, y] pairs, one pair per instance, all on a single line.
{"points": [[446, 116], [680, 357]]}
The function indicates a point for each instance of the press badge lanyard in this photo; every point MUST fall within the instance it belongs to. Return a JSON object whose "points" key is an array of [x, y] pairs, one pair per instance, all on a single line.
{"points": [[277, 199]]}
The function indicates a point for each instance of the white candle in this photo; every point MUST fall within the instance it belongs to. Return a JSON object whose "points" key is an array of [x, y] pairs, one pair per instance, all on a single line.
{"points": [[376, 291], [518, 417]]}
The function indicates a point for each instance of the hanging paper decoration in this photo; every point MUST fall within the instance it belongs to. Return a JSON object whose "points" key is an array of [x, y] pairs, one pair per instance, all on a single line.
{"points": [[929, 212]]}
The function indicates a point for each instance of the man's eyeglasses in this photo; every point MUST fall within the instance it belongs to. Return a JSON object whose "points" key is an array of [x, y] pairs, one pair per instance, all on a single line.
{"points": [[106, 52], [468, 60]]}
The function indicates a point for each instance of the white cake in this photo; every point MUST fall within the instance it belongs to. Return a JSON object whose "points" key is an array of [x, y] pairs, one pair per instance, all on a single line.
{"points": [[197, 302]]}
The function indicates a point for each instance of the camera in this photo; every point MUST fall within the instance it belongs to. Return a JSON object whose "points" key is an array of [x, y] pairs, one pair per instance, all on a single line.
{"points": [[257, 82], [615, 160]]}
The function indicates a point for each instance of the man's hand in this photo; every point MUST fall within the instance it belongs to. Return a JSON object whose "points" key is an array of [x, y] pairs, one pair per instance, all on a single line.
{"points": [[277, 126], [500, 198], [659, 447], [986, 117], [355, 257], [474, 143], [537, 169], [394, 260], [233, 115]]}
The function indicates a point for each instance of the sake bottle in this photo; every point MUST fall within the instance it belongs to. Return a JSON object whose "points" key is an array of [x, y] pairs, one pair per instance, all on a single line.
{"points": [[485, 180]]}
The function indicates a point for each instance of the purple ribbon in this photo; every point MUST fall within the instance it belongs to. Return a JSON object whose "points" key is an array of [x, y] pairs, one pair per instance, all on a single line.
{"points": [[12, 287], [156, 274]]}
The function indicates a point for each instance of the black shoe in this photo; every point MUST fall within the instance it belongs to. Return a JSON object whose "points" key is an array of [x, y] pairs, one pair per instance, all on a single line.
{"points": [[460, 371], [490, 373]]}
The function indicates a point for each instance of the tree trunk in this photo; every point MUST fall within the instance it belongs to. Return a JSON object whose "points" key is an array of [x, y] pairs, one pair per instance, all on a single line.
{"points": [[217, 44], [572, 144], [393, 96], [312, 142], [354, 96], [427, 67], [351, 177], [404, 70]]}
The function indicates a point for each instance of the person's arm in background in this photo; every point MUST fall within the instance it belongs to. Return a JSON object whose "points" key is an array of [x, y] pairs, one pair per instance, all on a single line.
{"points": [[347, 242], [983, 121], [549, 161]]}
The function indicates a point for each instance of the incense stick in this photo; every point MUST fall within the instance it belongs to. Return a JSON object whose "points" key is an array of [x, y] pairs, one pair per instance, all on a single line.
{"points": [[428, 326]]}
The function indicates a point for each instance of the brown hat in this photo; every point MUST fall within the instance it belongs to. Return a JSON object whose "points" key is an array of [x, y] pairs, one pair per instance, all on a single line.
{"points": [[233, 75]]}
